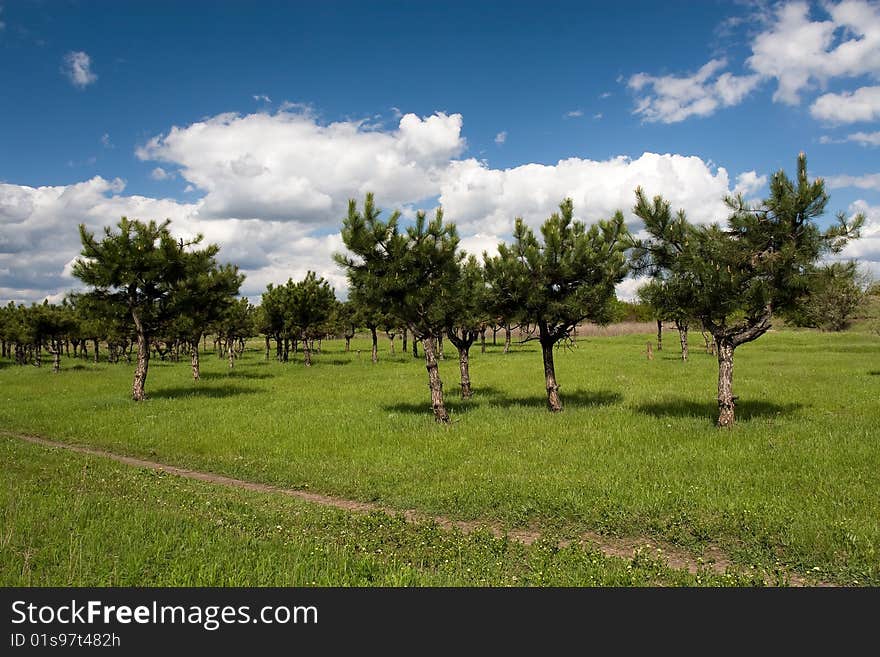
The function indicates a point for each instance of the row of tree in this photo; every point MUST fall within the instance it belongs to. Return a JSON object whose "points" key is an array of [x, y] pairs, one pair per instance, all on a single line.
{"points": [[159, 293], [730, 278]]}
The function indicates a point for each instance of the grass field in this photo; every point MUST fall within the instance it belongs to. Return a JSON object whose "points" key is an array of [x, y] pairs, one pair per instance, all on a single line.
{"points": [[793, 487]]}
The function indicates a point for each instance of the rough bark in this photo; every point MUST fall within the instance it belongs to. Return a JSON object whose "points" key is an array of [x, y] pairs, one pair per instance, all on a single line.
{"points": [[683, 338], [483, 340], [138, 392], [307, 352], [56, 358], [230, 352], [726, 401], [659, 335], [95, 341], [194, 354], [554, 402], [391, 337], [434, 382], [415, 350], [347, 344], [405, 342], [507, 336], [374, 355], [464, 368], [38, 356]]}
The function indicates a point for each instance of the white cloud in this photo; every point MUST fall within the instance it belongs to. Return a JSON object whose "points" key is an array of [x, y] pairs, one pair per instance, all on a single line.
{"points": [[287, 166], [597, 116], [863, 104], [501, 137], [865, 138], [160, 174], [676, 98], [801, 53], [796, 50], [77, 66], [748, 183], [262, 98], [628, 288], [255, 178], [867, 181], [105, 141], [484, 200], [574, 114], [867, 247], [605, 94]]}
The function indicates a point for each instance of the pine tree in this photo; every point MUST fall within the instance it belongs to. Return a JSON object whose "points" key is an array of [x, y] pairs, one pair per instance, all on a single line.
{"points": [[403, 274], [138, 267], [467, 303], [559, 282], [313, 301], [758, 265]]}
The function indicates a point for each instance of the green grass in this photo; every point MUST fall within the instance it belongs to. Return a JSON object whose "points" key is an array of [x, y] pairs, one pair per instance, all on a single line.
{"points": [[74, 520], [794, 485]]}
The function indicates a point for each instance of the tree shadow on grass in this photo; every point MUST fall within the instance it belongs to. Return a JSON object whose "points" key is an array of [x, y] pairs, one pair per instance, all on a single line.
{"points": [[747, 409], [493, 397], [874, 373], [235, 374], [181, 392]]}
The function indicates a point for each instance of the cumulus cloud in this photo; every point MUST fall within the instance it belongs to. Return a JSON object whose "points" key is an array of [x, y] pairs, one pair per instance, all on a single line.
{"points": [[867, 247], [105, 141], [287, 166], [484, 200], [748, 183], [865, 138], [255, 179], [501, 137], [77, 66], [675, 98], [160, 174], [262, 98], [800, 52], [863, 104], [867, 181]]}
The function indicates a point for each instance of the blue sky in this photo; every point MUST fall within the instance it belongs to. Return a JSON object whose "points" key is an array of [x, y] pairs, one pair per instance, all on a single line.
{"points": [[284, 110]]}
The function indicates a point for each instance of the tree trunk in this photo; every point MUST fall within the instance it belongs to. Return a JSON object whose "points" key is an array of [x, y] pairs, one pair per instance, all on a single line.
{"points": [[483, 340], [268, 347], [464, 367], [56, 358], [374, 356], [230, 352], [286, 354], [683, 338], [38, 356], [507, 335], [434, 382], [96, 349], [415, 347], [440, 355], [138, 392], [391, 340], [307, 352], [405, 344], [659, 335], [726, 400], [553, 400], [194, 353], [347, 344]]}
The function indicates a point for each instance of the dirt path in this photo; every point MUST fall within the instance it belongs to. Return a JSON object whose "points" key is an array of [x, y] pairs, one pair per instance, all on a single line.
{"points": [[715, 559]]}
